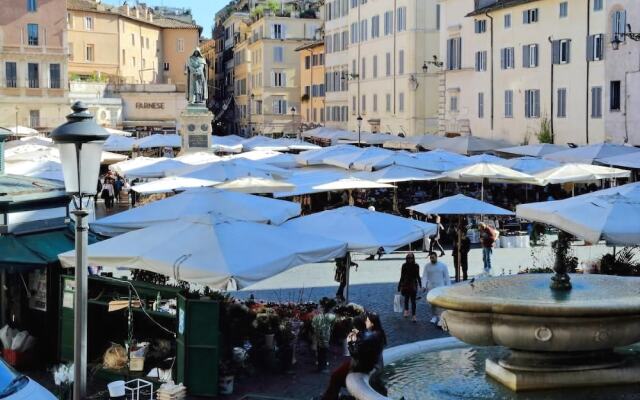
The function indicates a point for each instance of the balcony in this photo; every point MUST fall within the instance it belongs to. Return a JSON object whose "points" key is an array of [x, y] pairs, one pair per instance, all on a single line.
{"points": [[33, 83], [11, 83]]}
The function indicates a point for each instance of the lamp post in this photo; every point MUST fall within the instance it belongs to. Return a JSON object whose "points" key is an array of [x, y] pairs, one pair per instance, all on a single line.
{"points": [[352, 76], [425, 68], [293, 118], [359, 129], [251, 97], [80, 142]]}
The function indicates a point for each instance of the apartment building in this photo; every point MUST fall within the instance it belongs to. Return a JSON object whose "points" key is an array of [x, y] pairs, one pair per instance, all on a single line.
{"points": [[33, 64], [127, 44], [376, 51], [622, 72], [514, 69], [312, 91]]}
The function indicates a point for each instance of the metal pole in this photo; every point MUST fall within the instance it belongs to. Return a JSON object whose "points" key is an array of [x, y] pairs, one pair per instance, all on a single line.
{"points": [[80, 307], [348, 264]]}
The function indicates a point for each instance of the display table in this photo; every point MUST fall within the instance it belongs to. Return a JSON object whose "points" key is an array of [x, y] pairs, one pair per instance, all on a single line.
{"points": [[515, 241]]}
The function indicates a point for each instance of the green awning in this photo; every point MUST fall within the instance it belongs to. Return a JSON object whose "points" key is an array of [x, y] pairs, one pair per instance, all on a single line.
{"points": [[20, 253]]}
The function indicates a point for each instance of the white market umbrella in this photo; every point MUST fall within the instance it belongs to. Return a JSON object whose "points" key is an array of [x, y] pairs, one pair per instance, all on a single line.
{"points": [[402, 143], [251, 184], [44, 169], [468, 145], [171, 184], [198, 158], [459, 205], [195, 202], [118, 132], [275, 158], [396, 173], [347, 160], [227, 170], [529, 165], [263, 143], [119, 143], [305, 181], [485, 158], [566, 173], [20, 130], [29, 140], [351, 183], [316, 157], [227, 144], [211, 250], [124, 166], [609, 215], [161, 168], [533, 150], [384, 160], [159, 140], [493, 172], [589, 154], [441, 160], [108, 158], [629, 160]]}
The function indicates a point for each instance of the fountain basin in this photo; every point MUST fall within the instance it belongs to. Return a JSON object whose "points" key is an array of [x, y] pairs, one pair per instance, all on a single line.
{"points": [[554, 336]]}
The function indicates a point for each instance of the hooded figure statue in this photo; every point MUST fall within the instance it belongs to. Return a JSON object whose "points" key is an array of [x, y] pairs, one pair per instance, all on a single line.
{"points": [[196, 78]]}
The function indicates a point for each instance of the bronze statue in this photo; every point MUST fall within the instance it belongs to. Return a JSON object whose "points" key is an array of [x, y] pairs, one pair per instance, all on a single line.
{"points": [[196, 78]]}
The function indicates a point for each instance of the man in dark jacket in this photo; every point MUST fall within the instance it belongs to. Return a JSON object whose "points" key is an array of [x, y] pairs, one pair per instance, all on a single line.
{"points": [[465, 247]]}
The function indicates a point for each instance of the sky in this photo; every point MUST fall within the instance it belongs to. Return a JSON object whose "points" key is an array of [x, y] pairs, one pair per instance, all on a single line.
{"points": [[202, 10]]}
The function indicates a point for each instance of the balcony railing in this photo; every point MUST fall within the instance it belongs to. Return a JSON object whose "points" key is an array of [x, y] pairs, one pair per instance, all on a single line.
{"points": [[11, 83], [34, 83]]}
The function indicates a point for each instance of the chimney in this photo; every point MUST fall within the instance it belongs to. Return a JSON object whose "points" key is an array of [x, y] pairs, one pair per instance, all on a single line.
{"points": [[4, 135]]}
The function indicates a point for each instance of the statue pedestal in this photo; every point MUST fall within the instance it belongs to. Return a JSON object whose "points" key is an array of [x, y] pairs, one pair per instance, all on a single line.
{"points": [[194, 125]]}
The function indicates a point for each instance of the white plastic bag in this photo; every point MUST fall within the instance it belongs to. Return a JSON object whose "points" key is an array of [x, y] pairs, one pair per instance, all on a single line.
{"points": [[6, 336], [19, 340], [397, 303]]}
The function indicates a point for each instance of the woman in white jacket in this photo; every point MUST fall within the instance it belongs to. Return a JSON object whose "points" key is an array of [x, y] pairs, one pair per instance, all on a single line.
{"points": [[436, 274]]}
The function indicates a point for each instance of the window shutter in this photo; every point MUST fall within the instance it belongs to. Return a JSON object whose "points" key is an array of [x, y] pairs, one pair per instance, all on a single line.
{"points": [[526, 62], [283, 31], [535, 55], [459, 55], [555, 46], [526, 104], [569, 51], [524, 17], [284, 79], [536, 93], [600, 46], [502, 57], [590, 47], [273, 78], [623, 23]]}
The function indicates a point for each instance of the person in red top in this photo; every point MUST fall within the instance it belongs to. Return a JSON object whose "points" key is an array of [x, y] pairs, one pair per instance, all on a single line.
{"points": [[487, 238]]}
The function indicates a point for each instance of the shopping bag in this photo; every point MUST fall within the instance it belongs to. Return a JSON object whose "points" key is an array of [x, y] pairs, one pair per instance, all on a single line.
{"points": [[397, 303]]}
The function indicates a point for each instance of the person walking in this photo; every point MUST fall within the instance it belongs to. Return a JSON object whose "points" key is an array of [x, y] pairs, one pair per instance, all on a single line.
{"points": [[108, 192], [488, 237], [409, 284], [435, 239], [341, 276], [465, 247], [322, 325], [436, 274]]}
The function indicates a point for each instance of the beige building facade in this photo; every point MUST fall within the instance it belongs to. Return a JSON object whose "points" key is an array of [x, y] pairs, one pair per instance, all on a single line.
{"points": [[33, 64], [312, 90], [516, 69], [376, 51]]}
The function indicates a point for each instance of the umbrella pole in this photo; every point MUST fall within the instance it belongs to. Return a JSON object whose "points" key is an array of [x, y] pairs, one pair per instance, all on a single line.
{"points": [[395, 198], [348, 264], [459, 258], [482, 190]]}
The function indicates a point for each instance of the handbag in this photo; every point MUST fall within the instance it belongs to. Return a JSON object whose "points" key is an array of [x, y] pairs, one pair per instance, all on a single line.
{"points": [[397, 303]]}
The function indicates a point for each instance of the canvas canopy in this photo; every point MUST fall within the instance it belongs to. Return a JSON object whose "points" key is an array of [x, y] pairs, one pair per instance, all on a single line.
{"points": [[365, 231], [316, 157], [591, 153], [196, 202], [351, 183], [459, 205], [159, 140], [118, 132], [211, 250], [227, 144], [579, 173], [529, 165], [159, 169], [251, 184], [396, 173], [533, 150], [468, 145], [493, 172], [171, 184], [119, 143], [441, 160], [629, 160], [304, 181], [347, 159]]}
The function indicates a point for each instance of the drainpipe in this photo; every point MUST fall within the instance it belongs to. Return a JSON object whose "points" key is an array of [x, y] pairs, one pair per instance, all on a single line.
{"points": [[492, 75], [627, 96], [586, 114], [553, 66], [4, 135], [394, 28]]}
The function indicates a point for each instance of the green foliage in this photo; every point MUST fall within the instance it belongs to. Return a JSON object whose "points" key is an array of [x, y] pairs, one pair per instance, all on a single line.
{"points": [[273, 5], [624, 263], [94, 77], [565, 260], [149, 277], [544, 135]]}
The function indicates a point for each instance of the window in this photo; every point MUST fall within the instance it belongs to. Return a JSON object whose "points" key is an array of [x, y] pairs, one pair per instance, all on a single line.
{"points": [[507, 58], [133, 61], [375, 103], [388, 23], [402, 19], [32, 5], [307, 62], [124, 57], [388, 65], [54, 76], [33, 72], [354, 32], [363, 68], [481, 61], [401, 62], [481, 105], [70, 51], [614, 96], [277, 31], [165, 66], [561, 51], [595, 47], [401, 102], [133, 39], [375, 66], [278, 79], [89, 53], [530, 16], [564, 9], [388, 103], [144, 63], [34, 118], [69, 21], [438, 16], [11, 74], [480, 25], [562, 103], [354, 104], [363, 104], [597, 5], [507, 21], [32, 34], [364, 30], [453, 104], [280, 106], [508, 103], [278, 54], [596, 102], [619, 25], [180, 45], [375, 26], [345, 40], [530, 55], [532, 103], [454, 53]]}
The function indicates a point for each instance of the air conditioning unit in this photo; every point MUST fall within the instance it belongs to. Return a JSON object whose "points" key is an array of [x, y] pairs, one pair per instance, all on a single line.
{"points": [[103, 116]]}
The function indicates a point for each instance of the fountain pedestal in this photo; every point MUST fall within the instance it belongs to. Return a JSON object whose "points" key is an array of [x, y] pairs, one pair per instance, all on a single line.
{"points": [[557, 338]]}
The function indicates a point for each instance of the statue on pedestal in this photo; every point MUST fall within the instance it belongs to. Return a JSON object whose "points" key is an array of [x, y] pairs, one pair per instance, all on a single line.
{"points": [[196, 78]]}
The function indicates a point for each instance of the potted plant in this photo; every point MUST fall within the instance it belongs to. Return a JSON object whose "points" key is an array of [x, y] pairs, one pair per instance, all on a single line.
{"points": [[266, 324], [227, 372]]}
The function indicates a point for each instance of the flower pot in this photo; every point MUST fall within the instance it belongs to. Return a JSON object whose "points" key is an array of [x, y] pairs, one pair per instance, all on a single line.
{"points": [[225, 384], [269, 339]]}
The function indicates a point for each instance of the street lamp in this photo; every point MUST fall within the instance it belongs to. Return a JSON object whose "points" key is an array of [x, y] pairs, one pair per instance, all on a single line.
{"points": [[251, 97], [359, 129], [80, 142], [615, 43], [293, 118]]}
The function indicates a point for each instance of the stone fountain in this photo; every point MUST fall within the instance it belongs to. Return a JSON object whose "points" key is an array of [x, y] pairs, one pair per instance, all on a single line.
{"points": [[561, 332]]}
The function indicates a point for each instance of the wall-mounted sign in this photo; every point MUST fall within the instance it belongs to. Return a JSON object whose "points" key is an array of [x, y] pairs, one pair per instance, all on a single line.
{"points": [[146, 106]]}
